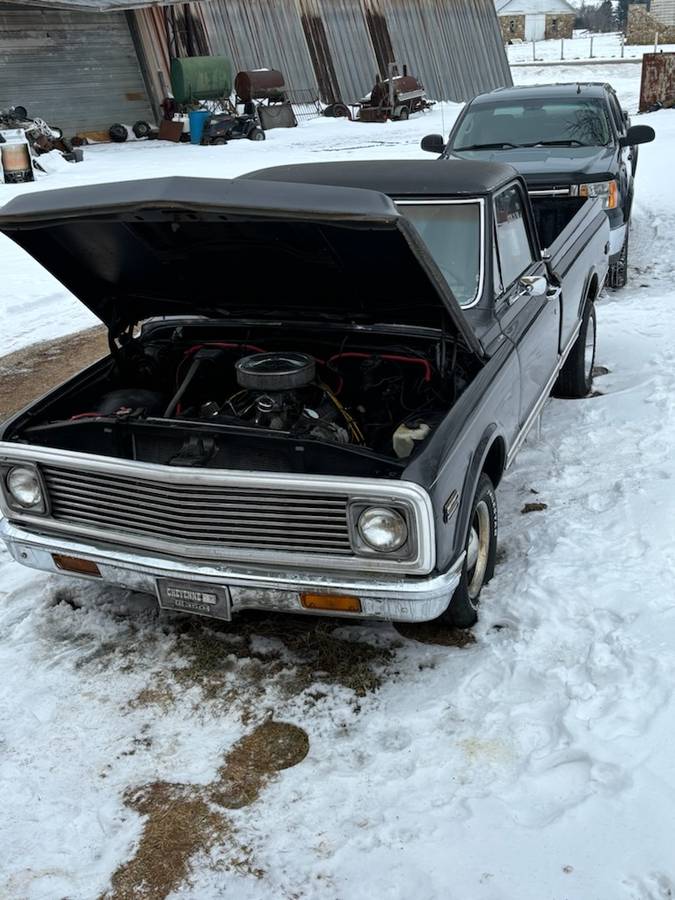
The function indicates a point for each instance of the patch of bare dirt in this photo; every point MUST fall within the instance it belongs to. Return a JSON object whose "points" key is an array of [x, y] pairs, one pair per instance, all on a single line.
{"points": [[183, 820], [434, 633], [29, 373]]}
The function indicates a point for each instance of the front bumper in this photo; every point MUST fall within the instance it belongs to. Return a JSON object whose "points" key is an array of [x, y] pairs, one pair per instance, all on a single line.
{"points": [[617, 236], [390, 597]]}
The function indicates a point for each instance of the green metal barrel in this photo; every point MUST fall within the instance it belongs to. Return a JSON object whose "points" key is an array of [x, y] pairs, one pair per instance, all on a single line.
{"points": [[201, 78]]}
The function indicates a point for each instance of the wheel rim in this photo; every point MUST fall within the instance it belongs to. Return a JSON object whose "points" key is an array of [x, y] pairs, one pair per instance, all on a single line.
{"points": [[589, 349], [478, 549]]}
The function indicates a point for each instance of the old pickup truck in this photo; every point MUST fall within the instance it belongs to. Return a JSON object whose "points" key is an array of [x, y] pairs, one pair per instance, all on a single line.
{"points": [[317, 377]]}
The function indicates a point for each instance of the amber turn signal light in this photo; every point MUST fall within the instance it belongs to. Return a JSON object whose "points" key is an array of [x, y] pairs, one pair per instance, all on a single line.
{"points": [[76, 565], [331, 602]]}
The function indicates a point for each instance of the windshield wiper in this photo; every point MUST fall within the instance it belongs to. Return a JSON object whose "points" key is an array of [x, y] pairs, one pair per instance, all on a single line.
{"points": [[570, 142], [497, 146]]}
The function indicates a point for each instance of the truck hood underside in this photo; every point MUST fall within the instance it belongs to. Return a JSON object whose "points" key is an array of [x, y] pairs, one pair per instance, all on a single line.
{"points": [[190, 246]]}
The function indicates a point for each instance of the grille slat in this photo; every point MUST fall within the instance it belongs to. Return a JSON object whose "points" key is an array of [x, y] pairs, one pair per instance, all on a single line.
{"points": [[193, 516], [281, 515], [198, 492], [203, 523]]}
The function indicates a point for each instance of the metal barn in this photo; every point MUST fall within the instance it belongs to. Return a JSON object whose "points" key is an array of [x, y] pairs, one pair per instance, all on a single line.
{"points": [[70, 64], [84, 64], [335, 47]]}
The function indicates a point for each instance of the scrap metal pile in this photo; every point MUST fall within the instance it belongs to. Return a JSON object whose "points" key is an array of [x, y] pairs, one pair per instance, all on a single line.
{"points": [[23, 139]]}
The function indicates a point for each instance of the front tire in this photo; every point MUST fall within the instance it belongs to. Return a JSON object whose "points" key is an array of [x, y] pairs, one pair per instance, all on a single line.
{"points": [[576, 376], [479, 562], [617, 274]]}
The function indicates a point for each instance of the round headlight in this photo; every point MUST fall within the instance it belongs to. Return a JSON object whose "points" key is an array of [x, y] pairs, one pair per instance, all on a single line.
{"points": [[382, 529], [24, 486]]}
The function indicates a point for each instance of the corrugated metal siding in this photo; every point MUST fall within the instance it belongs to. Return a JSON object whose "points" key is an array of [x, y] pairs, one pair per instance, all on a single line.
{"points": [[454, 46], [255, 33], [76, 70], [150, 30], [350, 45]]}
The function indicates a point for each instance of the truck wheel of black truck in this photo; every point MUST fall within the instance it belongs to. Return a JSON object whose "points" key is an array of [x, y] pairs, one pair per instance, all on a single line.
{"points": [[617, 275], [576, 376], [479, 563]]}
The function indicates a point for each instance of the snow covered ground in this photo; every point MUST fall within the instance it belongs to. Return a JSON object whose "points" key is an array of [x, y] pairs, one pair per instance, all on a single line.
{"points": [[533, 764], [603, 47]]}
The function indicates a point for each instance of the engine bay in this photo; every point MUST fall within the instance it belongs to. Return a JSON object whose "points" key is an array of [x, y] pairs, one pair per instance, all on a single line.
{"points": [[354, 391]]}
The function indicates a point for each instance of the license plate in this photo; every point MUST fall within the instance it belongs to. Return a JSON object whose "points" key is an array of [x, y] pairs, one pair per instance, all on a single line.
{"points": [[194, 598]]}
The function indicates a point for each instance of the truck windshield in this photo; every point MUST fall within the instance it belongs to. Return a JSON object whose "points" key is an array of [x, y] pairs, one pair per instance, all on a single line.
{"points": [[452, 234], [532, 123]]}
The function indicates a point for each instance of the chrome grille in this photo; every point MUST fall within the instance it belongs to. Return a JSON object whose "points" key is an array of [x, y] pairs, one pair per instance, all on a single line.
{"points": [[200, 515]]}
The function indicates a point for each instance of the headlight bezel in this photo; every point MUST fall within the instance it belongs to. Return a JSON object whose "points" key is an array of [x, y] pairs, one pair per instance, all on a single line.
{"points": [[406, 551], [606, 190], [11, 502]]}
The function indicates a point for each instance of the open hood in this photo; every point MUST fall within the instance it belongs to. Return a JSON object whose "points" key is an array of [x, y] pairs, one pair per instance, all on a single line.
{"points": [[240, 248]]}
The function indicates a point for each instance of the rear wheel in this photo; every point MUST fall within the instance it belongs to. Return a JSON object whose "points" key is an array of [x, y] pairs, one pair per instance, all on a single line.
{"points": [[576, 376], [479, 562], [403, 115], [256, 134]]}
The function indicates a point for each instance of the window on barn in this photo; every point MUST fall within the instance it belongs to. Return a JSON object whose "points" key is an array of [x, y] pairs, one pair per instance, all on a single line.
{"points": [[512, 26], [554, 24]]}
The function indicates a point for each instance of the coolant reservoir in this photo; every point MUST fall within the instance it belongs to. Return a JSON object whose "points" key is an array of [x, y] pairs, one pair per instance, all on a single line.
{"points": [[405, 437]]}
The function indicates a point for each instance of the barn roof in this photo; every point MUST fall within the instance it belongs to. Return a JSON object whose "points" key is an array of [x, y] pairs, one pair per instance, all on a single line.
{"points": [[91, 5]]}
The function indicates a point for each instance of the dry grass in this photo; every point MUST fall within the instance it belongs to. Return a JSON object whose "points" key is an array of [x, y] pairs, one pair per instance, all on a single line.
{"points": [[179, 823], [303, 652], [27, 374], [184, 820], [433, 633], [254, 759]]}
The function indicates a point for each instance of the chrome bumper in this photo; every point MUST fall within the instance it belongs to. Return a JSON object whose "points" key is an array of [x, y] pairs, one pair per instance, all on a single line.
{"points": [[616, 238], [391, 597]]}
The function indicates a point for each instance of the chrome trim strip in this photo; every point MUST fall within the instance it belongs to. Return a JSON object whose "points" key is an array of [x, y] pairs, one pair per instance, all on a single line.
{"points": [[411, 495], [390, 597], [551, 192], [410, 201], [536, 409]]}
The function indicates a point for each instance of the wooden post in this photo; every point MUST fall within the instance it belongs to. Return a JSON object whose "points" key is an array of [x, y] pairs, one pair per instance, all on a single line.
{"points": [[623, 44], [591, 56], [562, 48]]}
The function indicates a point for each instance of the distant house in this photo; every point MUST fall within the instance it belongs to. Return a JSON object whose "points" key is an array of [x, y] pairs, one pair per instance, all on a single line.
{"points": [[535, 20]]}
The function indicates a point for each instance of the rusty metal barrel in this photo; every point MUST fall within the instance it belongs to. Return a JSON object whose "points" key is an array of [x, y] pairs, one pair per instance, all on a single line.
{"points": [[259, 84]]}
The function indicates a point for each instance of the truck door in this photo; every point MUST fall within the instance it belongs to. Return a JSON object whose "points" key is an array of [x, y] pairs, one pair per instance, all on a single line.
{"points": [[530, 321]]}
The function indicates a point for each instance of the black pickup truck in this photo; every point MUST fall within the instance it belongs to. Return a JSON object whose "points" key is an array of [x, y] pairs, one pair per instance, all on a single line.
{"points": [[318, 376], [566, 140]]}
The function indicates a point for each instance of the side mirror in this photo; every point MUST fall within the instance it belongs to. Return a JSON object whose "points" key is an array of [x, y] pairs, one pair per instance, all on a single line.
{"points": [[534, 285], [433, 143], [638, 134]]}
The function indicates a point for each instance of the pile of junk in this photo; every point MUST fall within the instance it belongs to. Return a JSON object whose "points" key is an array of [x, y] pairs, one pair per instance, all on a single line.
{"points": [[206, 105], [24, 139], [394, 98]]}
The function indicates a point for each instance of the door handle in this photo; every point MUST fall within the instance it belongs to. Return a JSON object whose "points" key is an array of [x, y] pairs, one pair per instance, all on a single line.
{"points": [[553, 293]]}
